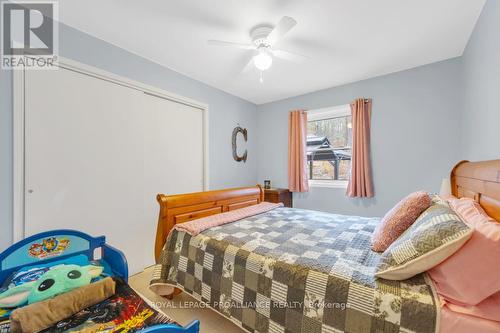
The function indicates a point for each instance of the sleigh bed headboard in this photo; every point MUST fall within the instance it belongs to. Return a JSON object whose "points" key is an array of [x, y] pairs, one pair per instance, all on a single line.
{"points": [[479, 181], [186, 207]]}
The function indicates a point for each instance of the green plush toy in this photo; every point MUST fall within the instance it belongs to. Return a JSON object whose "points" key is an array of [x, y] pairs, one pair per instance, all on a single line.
{"points": [[60, 279]]}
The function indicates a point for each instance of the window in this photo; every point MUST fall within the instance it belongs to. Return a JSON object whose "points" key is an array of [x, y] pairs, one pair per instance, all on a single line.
{"points": [[329, 143]]}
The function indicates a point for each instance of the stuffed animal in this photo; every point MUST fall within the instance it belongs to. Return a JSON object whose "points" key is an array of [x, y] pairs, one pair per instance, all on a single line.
{"points": [[59, 279]]}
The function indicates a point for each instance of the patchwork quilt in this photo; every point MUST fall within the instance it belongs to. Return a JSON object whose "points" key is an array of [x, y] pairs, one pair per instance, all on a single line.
{"points": [[292, 270]]}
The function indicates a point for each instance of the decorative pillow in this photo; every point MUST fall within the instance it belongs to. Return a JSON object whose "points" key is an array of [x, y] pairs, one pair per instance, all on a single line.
{"points": [[398, 219], [436, 235], [470, 211], [57, 280], [472, 274], [62, 306]]}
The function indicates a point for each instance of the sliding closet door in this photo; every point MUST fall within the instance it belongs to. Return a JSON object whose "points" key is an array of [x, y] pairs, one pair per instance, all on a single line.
{"points": [[97, 153], [173, 151]]}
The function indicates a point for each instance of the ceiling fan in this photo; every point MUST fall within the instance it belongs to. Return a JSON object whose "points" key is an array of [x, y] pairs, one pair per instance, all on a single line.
{"points": [[264, 38]]}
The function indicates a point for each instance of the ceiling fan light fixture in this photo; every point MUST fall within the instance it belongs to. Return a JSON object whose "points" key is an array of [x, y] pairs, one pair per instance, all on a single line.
{"points": [[263, 61], [263, 38]]}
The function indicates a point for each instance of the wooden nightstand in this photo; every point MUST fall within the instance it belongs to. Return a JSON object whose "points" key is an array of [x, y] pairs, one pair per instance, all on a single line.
{"points": [[278, 195]]}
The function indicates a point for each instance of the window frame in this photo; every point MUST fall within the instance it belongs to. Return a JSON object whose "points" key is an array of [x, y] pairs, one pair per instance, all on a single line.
{"points": [[323, 114]]}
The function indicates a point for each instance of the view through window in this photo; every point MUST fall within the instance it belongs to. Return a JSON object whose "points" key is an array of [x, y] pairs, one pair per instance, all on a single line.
{"points": [[329, 144]]}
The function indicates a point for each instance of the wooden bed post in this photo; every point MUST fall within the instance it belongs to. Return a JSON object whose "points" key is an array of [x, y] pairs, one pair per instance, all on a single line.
{"points": [[479, 181], [453, 180], [163, 227]]}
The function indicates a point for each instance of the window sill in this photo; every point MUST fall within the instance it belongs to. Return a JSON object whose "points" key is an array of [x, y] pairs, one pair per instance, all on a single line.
{"points": [[329, 183]]}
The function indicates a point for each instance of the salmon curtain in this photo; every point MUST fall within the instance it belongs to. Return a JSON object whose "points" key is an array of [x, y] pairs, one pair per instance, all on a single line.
{"points": [[360, 182], [297, 154]]}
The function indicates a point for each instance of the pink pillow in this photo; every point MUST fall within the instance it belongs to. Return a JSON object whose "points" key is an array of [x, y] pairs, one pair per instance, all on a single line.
{"points": [[398, 219], [472, 274], [470, 211]]}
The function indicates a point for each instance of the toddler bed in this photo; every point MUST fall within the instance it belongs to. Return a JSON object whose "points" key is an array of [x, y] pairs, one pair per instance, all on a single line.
{"points": [[125, 311]]}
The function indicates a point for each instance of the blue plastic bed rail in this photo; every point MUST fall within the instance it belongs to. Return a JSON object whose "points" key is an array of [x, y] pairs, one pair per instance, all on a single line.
{"points": [[50, 247], [59, 246], [193, 327]]}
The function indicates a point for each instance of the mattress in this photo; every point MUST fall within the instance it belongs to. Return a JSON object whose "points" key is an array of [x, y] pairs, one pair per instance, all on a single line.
{"points": [[295, 270]]}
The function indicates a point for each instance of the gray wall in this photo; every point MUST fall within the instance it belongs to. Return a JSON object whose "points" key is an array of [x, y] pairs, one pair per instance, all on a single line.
{"points": [[481, 78], [225, 112], [414, 133]]}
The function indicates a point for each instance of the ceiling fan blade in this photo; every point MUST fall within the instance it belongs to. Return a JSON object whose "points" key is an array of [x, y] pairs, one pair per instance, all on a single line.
{"points": [[284, 25], [231, 44], [289, 55]]}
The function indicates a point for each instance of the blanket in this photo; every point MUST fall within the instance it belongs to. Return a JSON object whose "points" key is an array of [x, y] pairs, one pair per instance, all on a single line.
{"points": [[293, 270], [196, 226], [125, 311]]}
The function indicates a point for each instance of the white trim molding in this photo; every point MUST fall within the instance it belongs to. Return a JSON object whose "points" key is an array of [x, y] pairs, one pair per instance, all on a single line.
{"points": [[19, 128], [328, 183], [329, 113], [18, 155]]}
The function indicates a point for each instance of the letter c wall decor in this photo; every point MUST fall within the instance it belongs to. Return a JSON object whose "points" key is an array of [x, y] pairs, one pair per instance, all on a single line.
{"points": [[243, 131]]}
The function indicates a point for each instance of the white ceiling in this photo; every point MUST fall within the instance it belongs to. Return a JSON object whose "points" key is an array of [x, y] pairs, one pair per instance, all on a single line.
{"points": [[346, 40]]}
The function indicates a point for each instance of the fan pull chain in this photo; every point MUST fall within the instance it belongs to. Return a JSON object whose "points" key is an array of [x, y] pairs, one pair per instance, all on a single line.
{"points": [[261, 80]]}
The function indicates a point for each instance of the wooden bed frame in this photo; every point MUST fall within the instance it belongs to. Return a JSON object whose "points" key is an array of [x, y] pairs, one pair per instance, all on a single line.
{"points": [[182, 208], [479, 181]]}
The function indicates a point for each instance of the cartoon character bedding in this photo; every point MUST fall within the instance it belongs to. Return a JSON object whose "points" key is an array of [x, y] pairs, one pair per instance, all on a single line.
{"points": [[123, 311]]}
